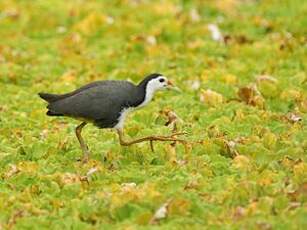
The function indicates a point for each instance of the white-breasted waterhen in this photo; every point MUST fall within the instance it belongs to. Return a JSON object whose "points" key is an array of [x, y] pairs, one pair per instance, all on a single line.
{"points": [[106, 104]]}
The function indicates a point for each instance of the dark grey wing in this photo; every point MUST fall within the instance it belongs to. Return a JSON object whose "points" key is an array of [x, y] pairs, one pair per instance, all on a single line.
{"points": [[49, 97], [102, 102]]}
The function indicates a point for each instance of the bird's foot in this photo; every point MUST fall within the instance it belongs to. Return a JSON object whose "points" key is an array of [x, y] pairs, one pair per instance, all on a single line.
{"points": [[172, 137], [151, 139]]}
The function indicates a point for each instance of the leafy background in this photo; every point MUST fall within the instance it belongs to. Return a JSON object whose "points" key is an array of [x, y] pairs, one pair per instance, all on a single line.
{"points": [[243, 104]]}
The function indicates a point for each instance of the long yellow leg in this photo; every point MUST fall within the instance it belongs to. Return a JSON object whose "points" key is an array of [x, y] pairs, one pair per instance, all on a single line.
{"points": [[83, 146]]}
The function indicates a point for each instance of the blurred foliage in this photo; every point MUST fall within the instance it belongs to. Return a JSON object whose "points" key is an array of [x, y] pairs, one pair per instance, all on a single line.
{"points": [[243, 104]]}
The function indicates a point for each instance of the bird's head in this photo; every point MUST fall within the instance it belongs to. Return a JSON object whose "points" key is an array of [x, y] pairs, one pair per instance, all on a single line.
{"points": [[156, 81]]}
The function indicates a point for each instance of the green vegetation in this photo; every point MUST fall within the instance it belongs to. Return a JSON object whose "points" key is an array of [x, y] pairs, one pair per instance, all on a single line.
{"points": [[243, 104]]}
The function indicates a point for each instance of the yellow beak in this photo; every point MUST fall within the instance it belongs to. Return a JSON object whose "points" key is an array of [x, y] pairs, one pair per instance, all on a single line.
{"points": [[171, 86]]}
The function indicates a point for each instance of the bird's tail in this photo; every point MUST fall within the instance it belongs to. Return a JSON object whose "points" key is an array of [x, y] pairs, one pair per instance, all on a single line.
{"points": [[51, 113], [49, 97]]}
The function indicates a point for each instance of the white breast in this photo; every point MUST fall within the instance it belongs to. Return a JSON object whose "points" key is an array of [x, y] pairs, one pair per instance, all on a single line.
{"points": [[150, 91], [122, 117]]}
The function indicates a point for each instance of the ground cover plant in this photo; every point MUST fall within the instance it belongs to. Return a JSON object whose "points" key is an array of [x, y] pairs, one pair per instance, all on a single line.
{"points": [[241, 66]]}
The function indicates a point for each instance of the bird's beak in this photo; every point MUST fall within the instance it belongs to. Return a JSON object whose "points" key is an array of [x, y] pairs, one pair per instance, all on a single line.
{"points": [[171, 86]]}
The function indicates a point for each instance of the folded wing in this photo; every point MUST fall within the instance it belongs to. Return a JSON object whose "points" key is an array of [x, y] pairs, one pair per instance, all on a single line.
{"points": [[100, 102]]}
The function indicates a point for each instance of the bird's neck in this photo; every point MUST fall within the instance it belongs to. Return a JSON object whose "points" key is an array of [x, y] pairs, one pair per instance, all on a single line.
{"points": [[147, 94]]}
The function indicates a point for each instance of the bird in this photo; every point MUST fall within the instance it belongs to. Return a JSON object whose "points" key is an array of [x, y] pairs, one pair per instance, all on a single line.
{"points": [[106, 104]]}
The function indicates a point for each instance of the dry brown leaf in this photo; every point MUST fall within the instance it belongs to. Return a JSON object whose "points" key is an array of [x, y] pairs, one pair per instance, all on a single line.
{"points": [[69, 76], [264, 181], [251, 96], [88, 174], [172, 119], [253, 207], [230, 148], [44, 133], [294, 194], [151, 40], [192, 184], [179, 207], [215, 33], [241, 162], [3, 108], [229, 79], [292, 117], [131, 192], [91, 171], [214, 132], [300, 169], [166, 8], [264, 225], [294, 205], [263, 22], [128, 187], [12, 171], [195, 44], [210, 97], [11, 13], [13, 218], [109, 20], [161, 213], [194, 15], [239, 213], [193, 84], [68, 178], [269, 140], [61, 29], [72, 44], [236, 39], [246, 94], [157, 50], [227, 6], [27, 166], [267, 85], [291, 94], [91, 23]]}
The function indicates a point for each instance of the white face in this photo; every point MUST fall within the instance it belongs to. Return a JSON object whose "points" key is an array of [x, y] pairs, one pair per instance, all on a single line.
{"points": [[154, 85], [158, 83]]}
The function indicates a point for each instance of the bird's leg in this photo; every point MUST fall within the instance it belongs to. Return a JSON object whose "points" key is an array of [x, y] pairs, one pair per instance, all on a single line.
{"points": [[149, 138], [84, 147]]}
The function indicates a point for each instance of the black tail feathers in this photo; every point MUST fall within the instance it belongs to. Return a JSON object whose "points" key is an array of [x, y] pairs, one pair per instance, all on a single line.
{"points": [[51, 113], [49, 97]]}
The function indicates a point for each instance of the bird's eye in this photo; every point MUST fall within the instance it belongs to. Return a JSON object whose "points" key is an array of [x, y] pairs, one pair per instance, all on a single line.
{"points": [[162, 80]]}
